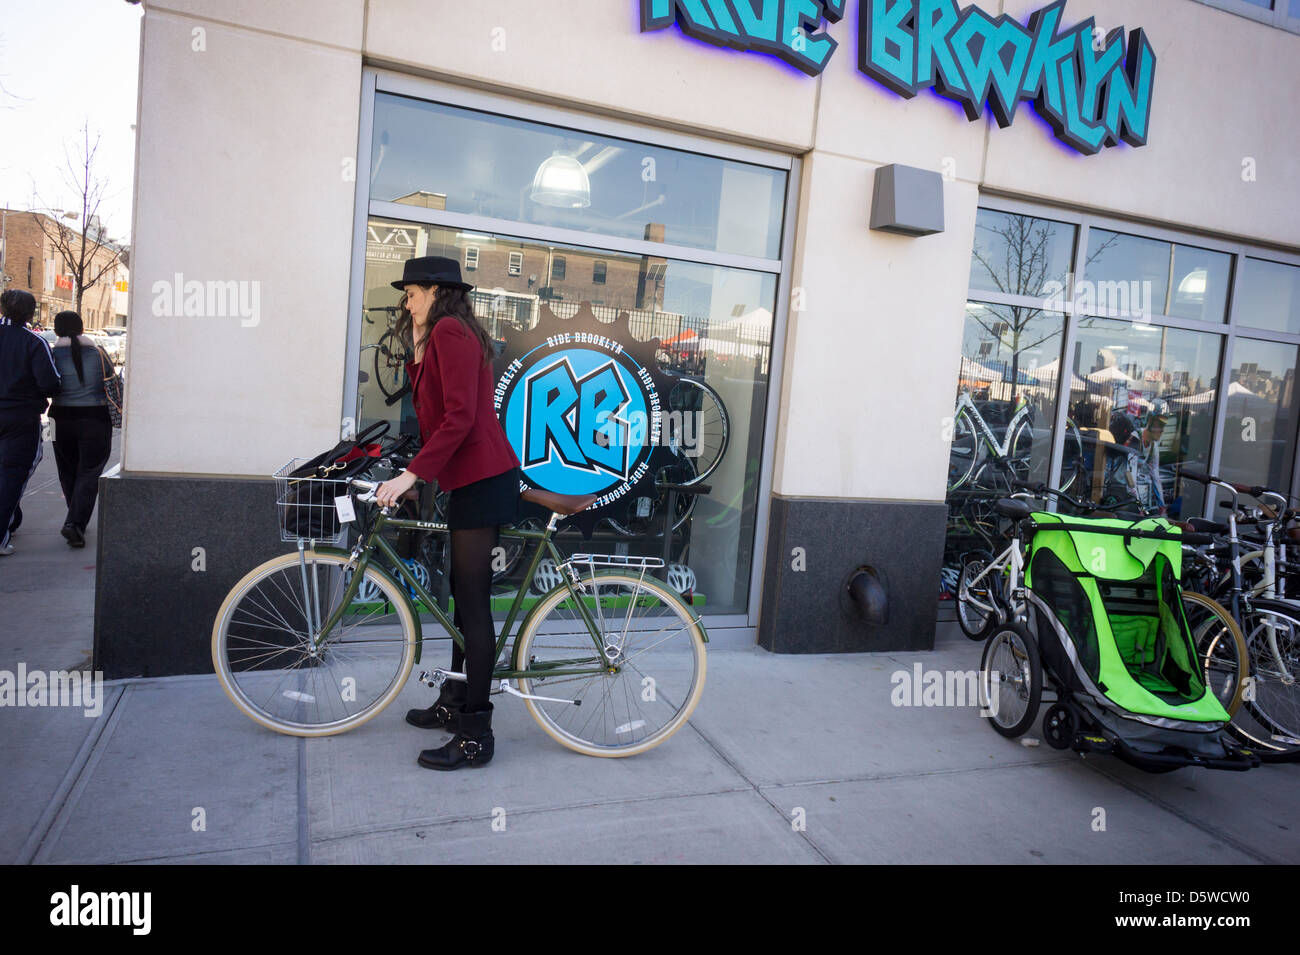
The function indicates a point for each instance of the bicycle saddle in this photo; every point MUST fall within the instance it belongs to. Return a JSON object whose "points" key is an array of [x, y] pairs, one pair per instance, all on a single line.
{"points": [[1016, 510], [565, 504]]}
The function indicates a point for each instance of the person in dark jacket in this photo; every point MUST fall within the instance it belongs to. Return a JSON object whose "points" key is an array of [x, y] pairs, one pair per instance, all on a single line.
{"points": [[28, 378], [83, 431], [466, 450]]}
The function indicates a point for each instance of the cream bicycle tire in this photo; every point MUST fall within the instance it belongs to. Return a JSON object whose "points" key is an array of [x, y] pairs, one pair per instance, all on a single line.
{"points": [[1233, 632], [532, 628], [220, 630]]}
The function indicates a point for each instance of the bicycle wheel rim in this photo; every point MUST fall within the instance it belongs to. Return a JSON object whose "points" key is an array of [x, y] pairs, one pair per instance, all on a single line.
{"points": [[710, 430], [972, 619], [1012, 684], [660, 672], [261, 656]]}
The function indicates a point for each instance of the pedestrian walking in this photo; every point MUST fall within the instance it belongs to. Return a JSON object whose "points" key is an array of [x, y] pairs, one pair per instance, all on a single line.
{"points": [[465, 449], [28, 379], [83, 430]]}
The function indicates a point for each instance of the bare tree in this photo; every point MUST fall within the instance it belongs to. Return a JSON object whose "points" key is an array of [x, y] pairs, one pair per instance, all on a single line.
{"points": [[1026, 245], [87, 257]]}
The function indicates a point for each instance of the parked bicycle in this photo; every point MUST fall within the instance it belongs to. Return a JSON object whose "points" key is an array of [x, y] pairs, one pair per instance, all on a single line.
{"points": [[1270, 715], [609, 661], [978, 458]]}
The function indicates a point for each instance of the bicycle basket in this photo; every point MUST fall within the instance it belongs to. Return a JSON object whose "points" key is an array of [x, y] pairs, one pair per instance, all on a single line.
{"points": [[305, 506]]}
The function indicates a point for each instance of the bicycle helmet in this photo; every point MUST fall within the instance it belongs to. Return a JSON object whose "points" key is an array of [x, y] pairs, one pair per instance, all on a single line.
{"points": [[547, 576], [681, 578]]}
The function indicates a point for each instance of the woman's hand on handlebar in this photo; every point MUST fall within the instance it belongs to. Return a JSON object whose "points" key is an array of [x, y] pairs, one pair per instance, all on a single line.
{"points": [[392, 490]]}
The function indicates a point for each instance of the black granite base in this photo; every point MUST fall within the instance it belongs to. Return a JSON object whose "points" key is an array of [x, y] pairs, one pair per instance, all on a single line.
{"points": [[154, 607], [806, 606]]}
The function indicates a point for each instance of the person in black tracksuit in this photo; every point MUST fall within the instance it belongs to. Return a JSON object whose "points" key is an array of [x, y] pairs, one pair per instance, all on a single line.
{"points": [[28, 379]]}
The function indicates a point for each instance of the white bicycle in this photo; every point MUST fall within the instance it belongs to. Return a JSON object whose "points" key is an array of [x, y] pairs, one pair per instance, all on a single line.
{"points": [[978, 459]]}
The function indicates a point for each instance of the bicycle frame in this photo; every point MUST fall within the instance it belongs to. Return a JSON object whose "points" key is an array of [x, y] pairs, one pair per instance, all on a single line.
{"points": [[363, 554], [1240, 598], [1013, 557], [984, 432]]}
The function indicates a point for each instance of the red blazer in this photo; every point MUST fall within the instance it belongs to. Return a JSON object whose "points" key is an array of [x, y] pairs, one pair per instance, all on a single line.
{"points": [[451, 389]]}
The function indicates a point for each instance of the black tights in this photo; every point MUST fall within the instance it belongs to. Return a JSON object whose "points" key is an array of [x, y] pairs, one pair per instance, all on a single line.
{"points": [[471, 588]]}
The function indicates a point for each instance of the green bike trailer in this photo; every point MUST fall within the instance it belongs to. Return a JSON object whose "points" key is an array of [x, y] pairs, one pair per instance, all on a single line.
{"points": [[1104, 600]]}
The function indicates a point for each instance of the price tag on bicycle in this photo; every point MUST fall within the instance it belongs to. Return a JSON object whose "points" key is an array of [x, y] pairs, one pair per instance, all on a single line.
{"points": [[343, 505]]}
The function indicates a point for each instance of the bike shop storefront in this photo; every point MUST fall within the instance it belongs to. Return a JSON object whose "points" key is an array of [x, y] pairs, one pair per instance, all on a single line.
{"points": [[630, 279]]}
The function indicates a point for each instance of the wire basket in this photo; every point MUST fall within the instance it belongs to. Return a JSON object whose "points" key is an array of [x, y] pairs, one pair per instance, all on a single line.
{"points": [[305, 507]]}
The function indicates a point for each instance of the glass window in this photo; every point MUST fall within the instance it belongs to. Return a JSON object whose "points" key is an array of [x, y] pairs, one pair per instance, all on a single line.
{"points": [[1020, 255], [556, 270], [1259, 430], [1133, 277], [598, 273], [702, 333], [1294, 10], [445, 157], [1143, 399], [1005, 406], [1268, 295]]}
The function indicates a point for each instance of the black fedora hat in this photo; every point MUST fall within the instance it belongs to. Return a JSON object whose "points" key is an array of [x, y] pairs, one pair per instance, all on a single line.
{"points": [[434, 269]]}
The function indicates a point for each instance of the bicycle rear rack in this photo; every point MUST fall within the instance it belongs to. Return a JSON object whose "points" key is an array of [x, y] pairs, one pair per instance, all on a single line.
{"points": [[616, 560]]}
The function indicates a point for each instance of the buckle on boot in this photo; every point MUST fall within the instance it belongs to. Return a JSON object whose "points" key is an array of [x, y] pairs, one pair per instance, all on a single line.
{"points": [[442, 714], [470, 753]]}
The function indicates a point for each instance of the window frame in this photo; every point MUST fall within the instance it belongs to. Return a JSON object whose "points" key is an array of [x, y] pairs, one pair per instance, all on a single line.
{"points": [[1229, 331], [1279, 17], [739, 627]]}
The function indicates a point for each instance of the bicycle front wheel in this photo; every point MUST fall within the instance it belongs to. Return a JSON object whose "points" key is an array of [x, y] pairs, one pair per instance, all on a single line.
{"points": [[282, 672], [633, 682]]}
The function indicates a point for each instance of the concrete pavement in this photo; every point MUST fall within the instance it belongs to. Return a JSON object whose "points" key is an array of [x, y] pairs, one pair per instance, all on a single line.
{"points": [[788, 759]]}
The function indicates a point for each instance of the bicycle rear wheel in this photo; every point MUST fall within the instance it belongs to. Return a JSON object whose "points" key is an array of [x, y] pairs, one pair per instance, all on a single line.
{"points": [[1221, 647], [976, 622], [262, 637], [1272, 697], [642, 682]]}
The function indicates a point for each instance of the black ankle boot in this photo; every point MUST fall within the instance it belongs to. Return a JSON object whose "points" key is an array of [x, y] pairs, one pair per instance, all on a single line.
{"points": [[472, 745], [445, 712]]}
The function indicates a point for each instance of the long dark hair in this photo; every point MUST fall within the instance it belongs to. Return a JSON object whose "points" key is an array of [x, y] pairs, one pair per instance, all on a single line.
{"points": [[447, 300], [68, 325]]}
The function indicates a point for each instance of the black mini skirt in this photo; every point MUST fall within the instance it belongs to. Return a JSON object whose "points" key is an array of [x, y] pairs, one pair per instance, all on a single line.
{"points": [[490, 502]]}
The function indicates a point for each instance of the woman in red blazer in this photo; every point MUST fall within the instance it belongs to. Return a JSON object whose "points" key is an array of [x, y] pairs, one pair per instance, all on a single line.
{"points": [[465, 450]]}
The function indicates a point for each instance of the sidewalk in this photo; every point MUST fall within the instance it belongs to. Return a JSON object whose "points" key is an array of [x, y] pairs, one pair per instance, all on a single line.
{"points": [[773, 735]]}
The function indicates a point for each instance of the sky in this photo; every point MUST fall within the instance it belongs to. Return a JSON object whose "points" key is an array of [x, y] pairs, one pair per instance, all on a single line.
{"points": [[64, 63]]}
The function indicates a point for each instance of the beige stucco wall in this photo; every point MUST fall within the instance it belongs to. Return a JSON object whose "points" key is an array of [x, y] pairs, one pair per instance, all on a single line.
{"points": [[239, 179]]}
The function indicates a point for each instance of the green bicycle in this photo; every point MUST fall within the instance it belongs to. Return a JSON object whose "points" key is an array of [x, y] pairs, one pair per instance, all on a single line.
{"points": [[609, 662]]}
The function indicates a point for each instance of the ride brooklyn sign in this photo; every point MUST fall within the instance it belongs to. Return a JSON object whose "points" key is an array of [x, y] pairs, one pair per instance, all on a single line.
{"points": [[1092, 87]]}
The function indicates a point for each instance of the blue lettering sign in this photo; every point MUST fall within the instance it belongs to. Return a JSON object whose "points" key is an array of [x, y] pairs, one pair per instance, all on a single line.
{"points": [[1091, 95]]}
